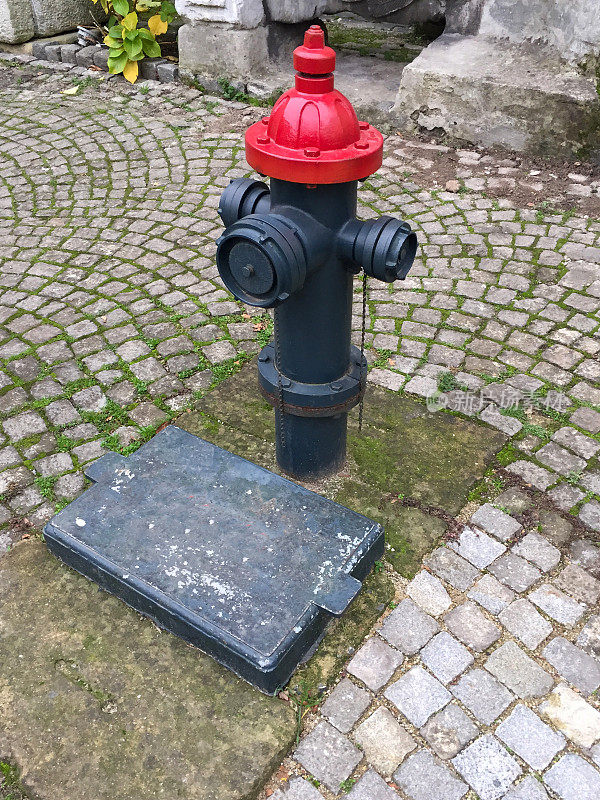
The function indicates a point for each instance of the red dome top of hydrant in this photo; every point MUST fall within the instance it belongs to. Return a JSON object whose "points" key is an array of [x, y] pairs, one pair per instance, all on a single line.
{"points": [[313, 135]]}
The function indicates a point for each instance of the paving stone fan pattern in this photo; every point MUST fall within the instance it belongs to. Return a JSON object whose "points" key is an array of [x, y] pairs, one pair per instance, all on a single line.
{"points": [[113, 317], [482, 681]]}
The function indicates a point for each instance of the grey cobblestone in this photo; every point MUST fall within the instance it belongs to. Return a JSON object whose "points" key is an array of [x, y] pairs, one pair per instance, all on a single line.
{"points": [[421, 777], [446, 657], [538, 550], [495, 522], [297, 789], [345, 705], [573, 664], [429, 593], [524, 622], [375, 663], [448, 731], [572, 778], [451, 568], [518, 672], [557, 604], [482, 694], [384, 741], [529, 737], [491, 594], [515, 572], [418, 695], [327, 755], [472, 627], [408, 628], [487, 767], [477, 547]]}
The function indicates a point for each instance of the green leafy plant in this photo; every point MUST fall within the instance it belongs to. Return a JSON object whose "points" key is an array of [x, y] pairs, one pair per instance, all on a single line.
{"points": [[128, 40]]}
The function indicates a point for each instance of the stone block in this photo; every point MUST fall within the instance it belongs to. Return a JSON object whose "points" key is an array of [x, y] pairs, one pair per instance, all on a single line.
{"points": [[149, 68], [579, 584], [202, 50], [68, 53], [572, 778], [53, 52], [538, 550], [532, 474], [167, 72], [467, 85], [472, 627], [528, 789], [242, 13], [477, 547], [297, 789], [84, 57], [429, 593], [423, 777], [487, 767], [522, 620], [327, 755], [571, 714], [418, 695], [375, 663], [446, 657], [483, 695], [491, 594], [515, 572], [573, 664], [345, 705], [408, 628], [372, 787], [451, 568], [589, 638], [448, 731], [590, 515], [384, 741], [529, 737], [557, 604], [519, 672], [494, 521]]}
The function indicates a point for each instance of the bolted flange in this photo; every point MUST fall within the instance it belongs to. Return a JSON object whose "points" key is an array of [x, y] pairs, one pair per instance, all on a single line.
{"points": [[311, 399]]}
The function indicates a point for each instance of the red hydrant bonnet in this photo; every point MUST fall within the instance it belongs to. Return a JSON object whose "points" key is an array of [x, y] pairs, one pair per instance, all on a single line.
{"points": [[313, 135]]}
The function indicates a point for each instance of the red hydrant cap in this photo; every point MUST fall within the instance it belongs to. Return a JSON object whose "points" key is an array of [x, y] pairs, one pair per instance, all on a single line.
{"points": [[313, 135]]}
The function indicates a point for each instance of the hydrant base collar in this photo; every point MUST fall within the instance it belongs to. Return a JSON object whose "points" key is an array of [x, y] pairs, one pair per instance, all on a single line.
{"points": [[312, 399]]}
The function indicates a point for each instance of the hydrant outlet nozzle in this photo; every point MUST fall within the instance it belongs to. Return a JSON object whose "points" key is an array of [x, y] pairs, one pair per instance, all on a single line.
{"points": [[242, 197], [385, 248]]}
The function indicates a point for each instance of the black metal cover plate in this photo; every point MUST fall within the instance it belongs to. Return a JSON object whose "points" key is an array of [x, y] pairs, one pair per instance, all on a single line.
{"points": [[240, 562]]}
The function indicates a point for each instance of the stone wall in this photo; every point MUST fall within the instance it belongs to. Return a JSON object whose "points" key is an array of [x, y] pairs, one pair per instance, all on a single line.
{"points": [[570, 27], [21, 20]]}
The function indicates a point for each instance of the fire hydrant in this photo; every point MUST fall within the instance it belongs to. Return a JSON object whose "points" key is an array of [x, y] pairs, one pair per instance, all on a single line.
{"points": [[296, 249]]}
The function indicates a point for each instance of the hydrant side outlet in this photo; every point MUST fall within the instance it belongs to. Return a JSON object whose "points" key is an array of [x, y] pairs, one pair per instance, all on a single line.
{"points": [[297, 247]]}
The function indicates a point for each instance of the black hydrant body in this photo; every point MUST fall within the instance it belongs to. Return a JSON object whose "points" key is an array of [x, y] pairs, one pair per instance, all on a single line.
{"points": [[297, 247]]}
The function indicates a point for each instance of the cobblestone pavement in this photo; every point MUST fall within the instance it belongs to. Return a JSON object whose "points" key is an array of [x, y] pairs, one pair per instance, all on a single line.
{"points": [[113, 319], [480, 683]]}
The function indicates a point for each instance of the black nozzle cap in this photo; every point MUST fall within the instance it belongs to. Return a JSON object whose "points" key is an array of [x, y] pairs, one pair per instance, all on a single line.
{"points": [[385, 248], [262, 260], [242, 197]]}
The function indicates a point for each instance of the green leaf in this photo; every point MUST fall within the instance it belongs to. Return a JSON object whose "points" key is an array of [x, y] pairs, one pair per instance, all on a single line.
{"points": [[116, 32], [110, 42], [167, 11], [133, 49], [144, 33], [131, 36], [151, 49], [112, 20], [117, 64], [121, 7], [115, 52]]}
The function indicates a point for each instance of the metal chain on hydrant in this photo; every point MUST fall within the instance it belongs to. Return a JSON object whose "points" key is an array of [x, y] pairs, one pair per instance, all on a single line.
{"points": [[280, 403], [363, 368]]}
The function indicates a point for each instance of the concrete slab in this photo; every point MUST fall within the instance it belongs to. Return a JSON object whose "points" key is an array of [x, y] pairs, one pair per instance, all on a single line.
{"points": [[496, 93], [96, 703]]}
